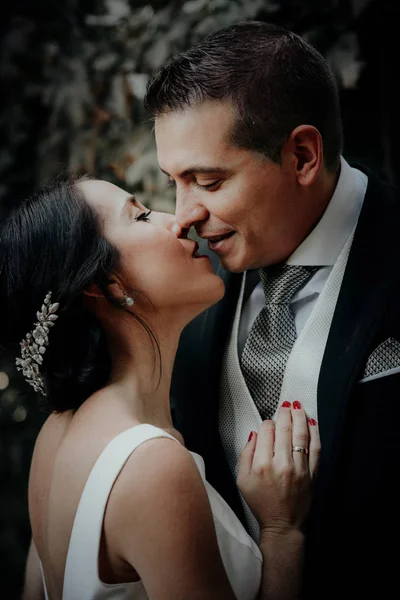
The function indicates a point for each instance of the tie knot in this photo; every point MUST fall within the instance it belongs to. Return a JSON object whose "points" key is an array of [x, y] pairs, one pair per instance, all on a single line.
{"points": [[281, 282]]}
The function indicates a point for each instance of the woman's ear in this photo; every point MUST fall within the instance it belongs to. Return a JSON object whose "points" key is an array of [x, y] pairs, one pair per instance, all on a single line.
{"points": [[93, 291], [114, 288]]}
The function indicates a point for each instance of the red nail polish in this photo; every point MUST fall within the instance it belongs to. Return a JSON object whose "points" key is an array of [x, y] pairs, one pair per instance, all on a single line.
{"points": [[286, 404], [250, 436], [312, 421], [296, 404]]}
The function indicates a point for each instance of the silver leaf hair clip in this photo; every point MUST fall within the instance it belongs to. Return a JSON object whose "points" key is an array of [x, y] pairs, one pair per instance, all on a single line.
{"points": [[33, 346]]}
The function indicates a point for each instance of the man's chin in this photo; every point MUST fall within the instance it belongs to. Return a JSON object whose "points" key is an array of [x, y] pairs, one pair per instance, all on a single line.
{"points": [[231, 256], [230, 264]]}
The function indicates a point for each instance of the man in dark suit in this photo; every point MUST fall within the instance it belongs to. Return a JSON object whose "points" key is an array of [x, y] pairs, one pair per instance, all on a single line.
{"points": [[248, 128]]}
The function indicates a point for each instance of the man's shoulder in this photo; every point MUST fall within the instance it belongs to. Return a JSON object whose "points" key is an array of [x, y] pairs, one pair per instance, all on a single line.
{"points": [[378, 182], [380, 211]]}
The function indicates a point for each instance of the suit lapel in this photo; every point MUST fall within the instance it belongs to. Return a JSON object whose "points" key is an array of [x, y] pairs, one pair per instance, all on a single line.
{"points": [[196, 381], [371, 275], [216, 328]]}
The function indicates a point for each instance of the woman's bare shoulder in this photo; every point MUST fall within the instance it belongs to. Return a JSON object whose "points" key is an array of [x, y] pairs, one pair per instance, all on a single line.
{"points": [[157, 463]]}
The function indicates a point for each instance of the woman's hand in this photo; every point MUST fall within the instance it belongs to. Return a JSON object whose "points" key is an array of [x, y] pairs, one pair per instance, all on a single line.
{"points": [[275, 478]]}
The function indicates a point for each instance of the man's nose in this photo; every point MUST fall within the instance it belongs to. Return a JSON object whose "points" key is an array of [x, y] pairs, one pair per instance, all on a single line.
{"points": [[188, 211], [168, 221]]}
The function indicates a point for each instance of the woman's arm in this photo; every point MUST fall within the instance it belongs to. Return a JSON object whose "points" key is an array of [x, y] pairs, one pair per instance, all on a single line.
{"points": [[33, 585], [275, 476], [159, 521]]}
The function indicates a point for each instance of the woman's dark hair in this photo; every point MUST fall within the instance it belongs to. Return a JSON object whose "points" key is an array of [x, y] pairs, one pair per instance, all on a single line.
{"points": [[274, 79], [53, 242]]}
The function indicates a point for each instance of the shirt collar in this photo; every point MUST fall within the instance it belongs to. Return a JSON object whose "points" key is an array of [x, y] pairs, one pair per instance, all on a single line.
{"points": [[323, 245]]}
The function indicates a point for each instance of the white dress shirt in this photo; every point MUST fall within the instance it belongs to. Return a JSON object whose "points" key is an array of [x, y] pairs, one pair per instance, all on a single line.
{"points": [[321, 248]]}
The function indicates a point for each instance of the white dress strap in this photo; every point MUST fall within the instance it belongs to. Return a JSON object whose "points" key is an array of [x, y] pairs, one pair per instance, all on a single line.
{"points": [[81, 569]]}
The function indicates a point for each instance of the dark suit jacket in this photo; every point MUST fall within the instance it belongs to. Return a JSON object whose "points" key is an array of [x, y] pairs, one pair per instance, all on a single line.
{"points": [[353, 529]]}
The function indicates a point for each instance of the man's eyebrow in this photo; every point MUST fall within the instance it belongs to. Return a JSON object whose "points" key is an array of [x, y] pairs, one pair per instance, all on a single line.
{"points": [[199, 170]]}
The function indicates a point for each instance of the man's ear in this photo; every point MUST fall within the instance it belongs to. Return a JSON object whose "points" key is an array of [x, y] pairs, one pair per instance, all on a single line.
{"points": [[305, 147]]}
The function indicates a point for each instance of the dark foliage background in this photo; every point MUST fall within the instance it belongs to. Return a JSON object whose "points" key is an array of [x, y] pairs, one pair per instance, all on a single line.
{"points": [[72, 77]]}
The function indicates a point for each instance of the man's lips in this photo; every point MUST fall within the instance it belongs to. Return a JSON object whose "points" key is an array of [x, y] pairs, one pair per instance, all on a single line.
{"points": [[213, 239], [218, 243]]}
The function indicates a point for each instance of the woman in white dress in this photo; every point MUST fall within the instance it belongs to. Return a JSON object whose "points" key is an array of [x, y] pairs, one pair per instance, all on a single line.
{"points": [[95, 292]]}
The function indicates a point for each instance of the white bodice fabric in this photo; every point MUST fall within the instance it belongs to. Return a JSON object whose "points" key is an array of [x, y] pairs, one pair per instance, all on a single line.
{"points": [[240, 555]]}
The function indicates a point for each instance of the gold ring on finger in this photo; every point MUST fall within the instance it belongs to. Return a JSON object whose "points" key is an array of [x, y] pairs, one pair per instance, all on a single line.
{"points": [[300, 449]]}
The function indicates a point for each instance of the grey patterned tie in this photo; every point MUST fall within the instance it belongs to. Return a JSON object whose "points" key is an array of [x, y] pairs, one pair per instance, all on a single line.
{"points": [[272, 335]]}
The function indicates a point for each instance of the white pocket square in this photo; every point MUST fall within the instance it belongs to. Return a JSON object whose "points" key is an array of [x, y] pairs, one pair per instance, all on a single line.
{"points": [[383, 361]]}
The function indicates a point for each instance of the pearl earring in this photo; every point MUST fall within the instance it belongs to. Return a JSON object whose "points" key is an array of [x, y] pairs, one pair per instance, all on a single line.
{"points": [[129, 301]]}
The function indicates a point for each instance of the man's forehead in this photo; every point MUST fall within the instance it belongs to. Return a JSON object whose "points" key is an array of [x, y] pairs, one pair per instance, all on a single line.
{"points": [[208, 122], [196, 139]]}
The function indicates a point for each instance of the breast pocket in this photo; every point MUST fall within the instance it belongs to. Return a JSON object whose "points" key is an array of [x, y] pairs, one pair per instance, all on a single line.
{"points": [[383, 361]]}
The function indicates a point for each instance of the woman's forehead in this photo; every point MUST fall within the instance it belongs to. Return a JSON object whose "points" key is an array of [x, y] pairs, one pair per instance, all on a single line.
{"points": [[102, 195]]}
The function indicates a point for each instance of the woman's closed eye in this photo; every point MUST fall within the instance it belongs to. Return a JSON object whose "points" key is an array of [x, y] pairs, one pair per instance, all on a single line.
{"points": [[143, 216]]}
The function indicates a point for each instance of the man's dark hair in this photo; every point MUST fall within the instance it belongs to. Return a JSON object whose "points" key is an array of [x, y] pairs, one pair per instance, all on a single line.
{"points": [[272, 77]]}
